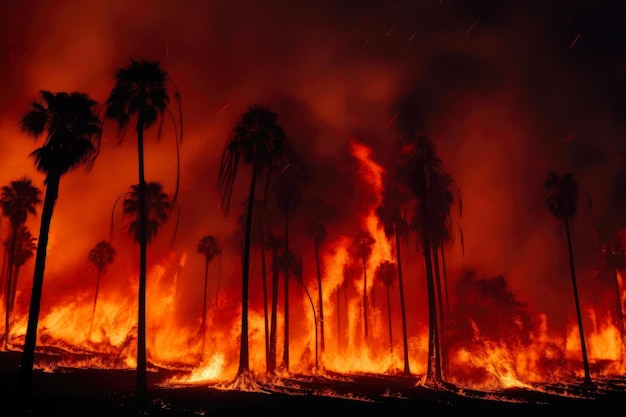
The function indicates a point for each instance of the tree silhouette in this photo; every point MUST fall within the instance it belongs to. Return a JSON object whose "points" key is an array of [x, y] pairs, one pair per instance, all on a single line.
{"points": [[395, 226], [258, 139], [276, 246], [17, 200], [563, 197], [72, 139], [100, 256], [210, 248], [362, 250], [386, 273], [140, 93], [316, 231]]}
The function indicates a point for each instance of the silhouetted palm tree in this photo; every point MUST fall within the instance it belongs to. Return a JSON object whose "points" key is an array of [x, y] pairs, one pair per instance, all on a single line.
{"points": [[386, 273], [563, 197], [258, 139], [362, 250], [210, 248], [18, 199], [614, 259], [157, 210], [25, 248], [316, 231], [419, 168], [72, 139], [276, 246], [101, 256], [140, 93], [395, 226], [288, 197]]}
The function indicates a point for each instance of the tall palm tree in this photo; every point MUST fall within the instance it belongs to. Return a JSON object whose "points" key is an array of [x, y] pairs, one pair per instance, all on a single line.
{"points": [[419, 167], [210, 248], [288, 196], [316, 231], [140, 94], [72, 139], [564, 195], [362, 250], [101, 256], [276, 246], [258, 139], [386, 273], [17, 200], [395, 226]]}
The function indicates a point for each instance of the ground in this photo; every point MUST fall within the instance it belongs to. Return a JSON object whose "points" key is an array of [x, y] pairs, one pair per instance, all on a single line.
{"points": [[97, 392]]}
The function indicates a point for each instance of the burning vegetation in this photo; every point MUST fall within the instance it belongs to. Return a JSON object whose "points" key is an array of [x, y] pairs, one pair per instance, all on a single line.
{"points": [[365, 221]]}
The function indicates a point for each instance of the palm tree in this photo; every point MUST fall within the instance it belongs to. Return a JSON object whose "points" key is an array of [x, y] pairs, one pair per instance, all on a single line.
{"points": [[394, 225], [316, 231], [362, 250], [419, 168], [73, 133], [276, 246], [614, 260], [258, 139], [210, 248], [17, 200], [288, 197], [25, 248], [140, 93], [563, 197], [101, 256], [386, 274]]}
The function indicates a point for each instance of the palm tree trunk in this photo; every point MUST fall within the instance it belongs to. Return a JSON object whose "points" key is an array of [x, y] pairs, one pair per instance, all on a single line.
{"points": [[10, 290], [25, 377], [441, 331], [445, 277], [365, 297], [141, 388], [286, 313], [389, 316], [244, 355], [95, 300], [265, 315], [587, 380], [433, 373], [618, 307], [273, 330], [319, 295], [203, 325], [405, 341]]}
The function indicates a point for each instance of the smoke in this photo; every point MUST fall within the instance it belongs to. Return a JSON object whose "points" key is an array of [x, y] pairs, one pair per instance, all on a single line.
{"points": [[506, 90]]}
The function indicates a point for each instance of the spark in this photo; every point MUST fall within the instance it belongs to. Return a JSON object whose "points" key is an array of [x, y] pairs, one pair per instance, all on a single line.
{"points": [[412, 36], [476, 22], [575, 40], [395, 116], [617, 160], [365, 43], [391, 31], [570, 137], [221, 110]]}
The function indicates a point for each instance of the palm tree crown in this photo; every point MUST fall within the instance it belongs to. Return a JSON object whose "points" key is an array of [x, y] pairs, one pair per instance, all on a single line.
{"points": [[19, 199], [158, 209], [565, 195], [209, 247], [102, 255]]}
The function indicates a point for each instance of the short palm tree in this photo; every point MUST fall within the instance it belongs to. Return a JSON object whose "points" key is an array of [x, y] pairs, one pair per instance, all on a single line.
{"points": [[564, 195], [101, 256], [210, 248], [72, 139], [140, 94], [17, 200], [386, 273], [362, 250], [257, 139], [24, 250]]}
